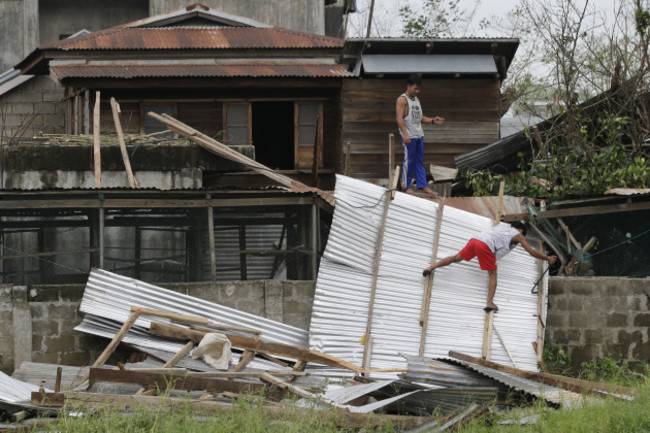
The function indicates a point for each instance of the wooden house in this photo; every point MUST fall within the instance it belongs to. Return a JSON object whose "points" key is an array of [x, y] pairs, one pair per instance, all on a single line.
{"points": [[296, 97]]}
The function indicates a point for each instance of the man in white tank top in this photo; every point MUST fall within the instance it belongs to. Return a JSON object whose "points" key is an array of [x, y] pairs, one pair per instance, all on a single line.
{"points": [[409, 120], [490, 246]]}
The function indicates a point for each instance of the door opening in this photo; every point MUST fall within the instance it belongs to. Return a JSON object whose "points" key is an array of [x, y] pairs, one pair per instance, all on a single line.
{"points": [[273, 134]]}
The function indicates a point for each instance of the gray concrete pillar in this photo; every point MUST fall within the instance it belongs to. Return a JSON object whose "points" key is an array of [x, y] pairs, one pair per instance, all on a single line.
{"points": [[21, 330]]}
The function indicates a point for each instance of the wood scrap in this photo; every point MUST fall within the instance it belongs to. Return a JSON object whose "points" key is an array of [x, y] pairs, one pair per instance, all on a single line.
{"points": [[246, 357], [115, 108], [270, 379]]}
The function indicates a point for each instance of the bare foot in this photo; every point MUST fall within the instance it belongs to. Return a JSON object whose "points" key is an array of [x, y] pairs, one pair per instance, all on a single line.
{"points": [[428, 190], [409, 191], [491, 306]]}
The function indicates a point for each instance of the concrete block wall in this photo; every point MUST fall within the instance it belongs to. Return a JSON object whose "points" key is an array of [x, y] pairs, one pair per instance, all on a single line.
{"points": [[38, 98], [600, 317], [38, 321]]}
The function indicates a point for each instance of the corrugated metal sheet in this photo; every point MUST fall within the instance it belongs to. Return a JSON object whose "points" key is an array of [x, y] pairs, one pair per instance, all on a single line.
{"points": [[487, 206], [40, 374], [127, 71], [110, 296], [442, 373], [16, 391], [456, 316], [429, 63], [549, 393], [183, 38]]}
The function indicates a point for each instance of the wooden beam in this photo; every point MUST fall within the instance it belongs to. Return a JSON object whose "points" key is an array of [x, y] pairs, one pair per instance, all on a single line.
{"points": [[211, 244], [367, 341], [428, 288], [136, 203], [346, 162], [391, 157], [115, 108], [487, 334], [235, 374], [173, 380], [569, 235], [497, 217], [179, 355], [318, 148], [570, 383], [594, 210], [221, 149], [300, 392], [96, 143], [343, 418], [246, 357], [194, 320], [48, 399], [503, 343], [540, 357], [255, 345]]}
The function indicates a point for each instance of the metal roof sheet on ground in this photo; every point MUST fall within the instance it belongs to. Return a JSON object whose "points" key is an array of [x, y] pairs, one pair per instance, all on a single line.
{"points": [[179, 38], [261, 70], [16, 391], [429, 63], [42, 374], [549, 393], [442, 373], [111, 296], [456, 316]]}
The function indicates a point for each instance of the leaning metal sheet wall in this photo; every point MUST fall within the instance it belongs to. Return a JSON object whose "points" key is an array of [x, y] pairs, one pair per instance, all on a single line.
{"points": [[456, 318]]}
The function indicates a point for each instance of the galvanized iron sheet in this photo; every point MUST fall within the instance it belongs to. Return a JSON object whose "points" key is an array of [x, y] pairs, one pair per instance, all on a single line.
{"points": [[549, 393], [429, 63], [111, 296], [178, 38], [130, 71], [456, 316], [16, 391]]}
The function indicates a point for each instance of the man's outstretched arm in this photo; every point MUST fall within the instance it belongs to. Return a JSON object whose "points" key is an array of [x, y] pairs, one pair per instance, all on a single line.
{"points": [[532, 251]]}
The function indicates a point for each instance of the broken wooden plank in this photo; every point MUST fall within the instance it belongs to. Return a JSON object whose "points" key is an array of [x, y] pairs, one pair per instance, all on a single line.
{"points": [[181, 380], [569, 383], [235, 374], [272, 348], [272, 380], [179, 355], [503, 344], [428, 288], [115, 108], [246, 357], [49, 399], [117, 339]]}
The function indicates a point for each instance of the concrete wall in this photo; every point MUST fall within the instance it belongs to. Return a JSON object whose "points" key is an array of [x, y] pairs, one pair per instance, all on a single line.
{"points": [[596, 317], [37, 102], [18, 31], [303, 15], [38, 321]]}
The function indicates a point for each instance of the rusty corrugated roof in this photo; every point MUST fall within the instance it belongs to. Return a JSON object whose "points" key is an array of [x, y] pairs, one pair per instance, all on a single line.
{"points": [[127, 71], [179, 38]]}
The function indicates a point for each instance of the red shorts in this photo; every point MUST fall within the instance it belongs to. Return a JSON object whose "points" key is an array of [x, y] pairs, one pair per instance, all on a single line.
{"points": [[476, 248]]}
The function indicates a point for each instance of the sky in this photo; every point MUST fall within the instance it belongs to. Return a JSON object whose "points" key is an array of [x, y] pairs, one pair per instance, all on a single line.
{"points": [[388, 23]]}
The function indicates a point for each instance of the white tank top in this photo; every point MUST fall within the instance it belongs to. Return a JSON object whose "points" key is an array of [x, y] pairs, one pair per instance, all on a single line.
{"points": [[499, 239], [413, 119]]}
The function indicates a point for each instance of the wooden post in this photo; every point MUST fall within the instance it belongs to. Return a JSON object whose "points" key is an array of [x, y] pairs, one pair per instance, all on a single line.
{"points": [[367, 341], [115, 108], [57, 383], [117, 339], [391, 157], [86, 112], [426, 298], [489, 316], [96, 142], [346, 163], [211, 245], [503, 343], [372, 8], [540, 305]]}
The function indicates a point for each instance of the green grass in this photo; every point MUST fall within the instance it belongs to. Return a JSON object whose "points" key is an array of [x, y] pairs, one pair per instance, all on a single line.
{"points": [[247, 416]]}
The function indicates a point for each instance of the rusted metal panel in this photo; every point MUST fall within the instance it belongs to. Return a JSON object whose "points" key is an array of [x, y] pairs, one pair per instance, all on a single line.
{"points": [[181, 71], [179, 38]]}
